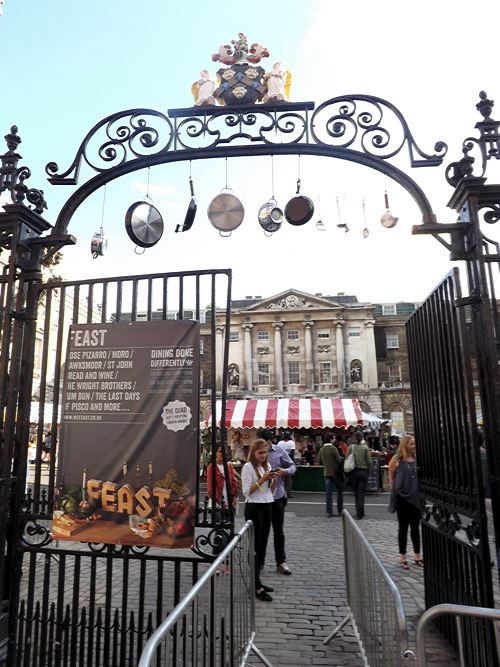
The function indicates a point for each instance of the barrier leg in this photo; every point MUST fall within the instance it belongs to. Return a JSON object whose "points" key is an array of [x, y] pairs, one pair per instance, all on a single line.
{"points": [[337, 628]]}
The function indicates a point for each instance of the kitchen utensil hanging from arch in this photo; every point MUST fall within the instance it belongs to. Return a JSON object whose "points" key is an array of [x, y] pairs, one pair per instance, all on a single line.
{"points": [[192, 208], [270, 215], [143, 222], [226, 211], [299, 209], [388, 220], [99, 243]]}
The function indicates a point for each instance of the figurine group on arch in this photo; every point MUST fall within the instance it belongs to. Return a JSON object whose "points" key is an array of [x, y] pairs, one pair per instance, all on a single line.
{"points": [[243, 81]]}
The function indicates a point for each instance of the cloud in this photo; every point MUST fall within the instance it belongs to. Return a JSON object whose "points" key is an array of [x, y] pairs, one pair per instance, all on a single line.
{"points": [[155, 189]]}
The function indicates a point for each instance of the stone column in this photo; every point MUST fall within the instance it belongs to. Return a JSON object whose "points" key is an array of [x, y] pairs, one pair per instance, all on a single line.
{"points": [[371, 355], [340, 353], [247, 352], [308, 324], [278, 357], [219, 356]]}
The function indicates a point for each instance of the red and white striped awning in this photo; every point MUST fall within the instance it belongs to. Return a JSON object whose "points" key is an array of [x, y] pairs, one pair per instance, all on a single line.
{"points": [[289, 412]]}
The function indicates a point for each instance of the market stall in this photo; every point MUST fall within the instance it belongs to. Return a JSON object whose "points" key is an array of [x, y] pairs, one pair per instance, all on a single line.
{"points": [[300, 413], [289, 413]]}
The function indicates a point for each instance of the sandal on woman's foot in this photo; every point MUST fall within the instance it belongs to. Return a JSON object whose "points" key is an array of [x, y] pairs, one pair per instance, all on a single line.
{"points": [[265, 597], [404, 565], [419, 562]]}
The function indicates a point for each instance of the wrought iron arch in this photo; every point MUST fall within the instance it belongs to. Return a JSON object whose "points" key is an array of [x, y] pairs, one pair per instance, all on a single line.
{"points": [[356, 128]]}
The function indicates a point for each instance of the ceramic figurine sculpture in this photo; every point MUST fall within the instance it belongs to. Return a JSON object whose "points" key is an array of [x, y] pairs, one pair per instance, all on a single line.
{"points": [[278, 82], [203, 90]]}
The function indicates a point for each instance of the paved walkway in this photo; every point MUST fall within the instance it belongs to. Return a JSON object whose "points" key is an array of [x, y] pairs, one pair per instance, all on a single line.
{"points": [[310, 603]]}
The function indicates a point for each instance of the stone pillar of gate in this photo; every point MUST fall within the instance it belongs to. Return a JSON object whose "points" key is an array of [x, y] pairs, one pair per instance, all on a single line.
{"points": [[371, 355], [248, 356], [308, 324], [340, 353], [278, 357]]}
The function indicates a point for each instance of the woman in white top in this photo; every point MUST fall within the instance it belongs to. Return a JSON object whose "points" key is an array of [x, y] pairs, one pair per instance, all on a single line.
{"points": [[258, 484]]}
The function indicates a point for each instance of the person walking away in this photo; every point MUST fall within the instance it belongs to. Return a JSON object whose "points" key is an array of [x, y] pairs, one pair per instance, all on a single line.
{"points": [[258, 484], [289, 446], [284, 467], [330, 458], [359, 476], [404, 483], [220, 500]]}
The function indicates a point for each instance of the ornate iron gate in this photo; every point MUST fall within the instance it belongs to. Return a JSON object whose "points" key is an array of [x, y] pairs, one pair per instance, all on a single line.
{"points": [[91, 605], [454, 529]]}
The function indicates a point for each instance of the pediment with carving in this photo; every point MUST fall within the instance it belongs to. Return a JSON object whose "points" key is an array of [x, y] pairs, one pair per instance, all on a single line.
{"points": [[292, 300]]}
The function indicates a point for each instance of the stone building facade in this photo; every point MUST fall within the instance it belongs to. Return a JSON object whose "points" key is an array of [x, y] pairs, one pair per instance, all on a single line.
{"points": [[299, 345]]}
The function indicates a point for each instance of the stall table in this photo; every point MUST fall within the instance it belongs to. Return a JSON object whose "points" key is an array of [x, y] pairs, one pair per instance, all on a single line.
{"points": [[309, 478]]}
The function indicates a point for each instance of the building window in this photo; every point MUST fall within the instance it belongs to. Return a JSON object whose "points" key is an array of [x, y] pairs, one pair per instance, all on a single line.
{"points": [[395, 373], [389, 309], [263, 374], [397, 416], [234, 336], [354, 331], [201, 347], [171, 315], [323, 333], [292, 334], [262, 335], [392, 340], [294, 372], [325, 372]]}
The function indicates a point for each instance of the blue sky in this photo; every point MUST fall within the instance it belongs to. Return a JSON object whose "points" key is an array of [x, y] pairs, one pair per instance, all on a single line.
{"points": [[66, 65]]}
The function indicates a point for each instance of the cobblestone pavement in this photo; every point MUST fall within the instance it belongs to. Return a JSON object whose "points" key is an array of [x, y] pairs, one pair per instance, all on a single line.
{"points": [[308, 604]]}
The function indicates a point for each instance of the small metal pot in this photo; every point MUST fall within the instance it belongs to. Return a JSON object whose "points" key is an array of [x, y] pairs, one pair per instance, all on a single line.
{"points": [[98, 245], [270, 216], [300, 209], [226, 213]]}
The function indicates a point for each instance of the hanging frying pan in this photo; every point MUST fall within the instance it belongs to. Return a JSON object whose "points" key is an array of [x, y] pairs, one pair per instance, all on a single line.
{"points": [[144, 224], [226, 213], [191, 212], [300, 209]]}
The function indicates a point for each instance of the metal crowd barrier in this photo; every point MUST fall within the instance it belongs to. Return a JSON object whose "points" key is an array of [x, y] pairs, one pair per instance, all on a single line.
{"points": [[214, 625], [375, 607], [459, 612]]}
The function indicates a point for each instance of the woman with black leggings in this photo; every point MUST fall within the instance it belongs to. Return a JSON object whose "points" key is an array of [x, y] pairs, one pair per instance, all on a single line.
{"points": [[404, 481]]}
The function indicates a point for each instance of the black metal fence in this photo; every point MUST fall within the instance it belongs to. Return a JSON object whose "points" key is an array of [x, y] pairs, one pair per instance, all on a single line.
{"points": [[455, 531], [66, 603]]}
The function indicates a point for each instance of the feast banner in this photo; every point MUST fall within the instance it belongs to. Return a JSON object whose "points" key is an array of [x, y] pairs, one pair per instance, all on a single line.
{"points": [[128, 454]]}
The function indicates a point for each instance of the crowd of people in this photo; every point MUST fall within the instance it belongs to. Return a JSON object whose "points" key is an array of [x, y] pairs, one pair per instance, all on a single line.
{"points": [[268, 465]]}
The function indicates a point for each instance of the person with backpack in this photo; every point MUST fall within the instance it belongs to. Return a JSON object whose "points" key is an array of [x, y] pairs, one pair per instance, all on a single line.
{"points": [[330, 458]]}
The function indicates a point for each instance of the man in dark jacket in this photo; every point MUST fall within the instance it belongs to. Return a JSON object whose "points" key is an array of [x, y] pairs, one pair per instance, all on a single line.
{"points": [[330, 458]]}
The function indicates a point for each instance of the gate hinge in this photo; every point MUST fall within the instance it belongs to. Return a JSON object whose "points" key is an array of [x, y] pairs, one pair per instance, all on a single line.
{"points": [[468, 301], [23, 315]]}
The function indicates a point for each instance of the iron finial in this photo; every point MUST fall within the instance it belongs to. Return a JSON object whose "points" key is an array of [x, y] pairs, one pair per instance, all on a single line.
{"points": [[485, 106], [13, 139]]}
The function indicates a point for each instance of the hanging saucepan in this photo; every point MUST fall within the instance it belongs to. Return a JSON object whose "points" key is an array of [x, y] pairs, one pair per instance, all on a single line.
{"points": [[270, 216], [191, 212], [144, 224], [226, 213], [98, 245], [300, 209]]}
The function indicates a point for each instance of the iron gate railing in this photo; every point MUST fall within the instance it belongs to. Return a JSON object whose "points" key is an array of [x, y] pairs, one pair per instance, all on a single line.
{"points": [[91, 605], [454, 529]]}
